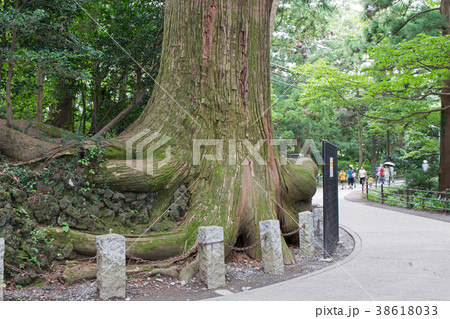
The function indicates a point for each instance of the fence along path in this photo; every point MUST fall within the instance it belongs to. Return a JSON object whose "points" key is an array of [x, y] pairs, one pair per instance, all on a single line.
{"points": [[407, 196]]}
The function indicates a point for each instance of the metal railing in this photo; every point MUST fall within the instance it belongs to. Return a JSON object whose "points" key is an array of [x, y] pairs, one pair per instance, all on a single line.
{"points": [[409, 197]]}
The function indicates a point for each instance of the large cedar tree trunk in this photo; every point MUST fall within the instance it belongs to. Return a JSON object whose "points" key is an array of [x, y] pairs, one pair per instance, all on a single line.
{"points": [[214, 83], [444, 163]]}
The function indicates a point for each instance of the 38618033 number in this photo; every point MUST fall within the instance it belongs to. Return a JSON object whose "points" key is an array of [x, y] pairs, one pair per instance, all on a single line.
{"points": [[407, 310]]}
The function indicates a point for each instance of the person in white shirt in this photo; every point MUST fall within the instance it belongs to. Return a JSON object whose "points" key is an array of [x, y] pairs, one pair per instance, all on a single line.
{"points": [[362, 174], [425, 165]]}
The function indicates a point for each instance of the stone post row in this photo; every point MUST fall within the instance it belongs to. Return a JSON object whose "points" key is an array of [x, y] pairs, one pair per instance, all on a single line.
{"points": [[271, 249], [211, 256], [111, 266], [306, 234], [2, 254]]}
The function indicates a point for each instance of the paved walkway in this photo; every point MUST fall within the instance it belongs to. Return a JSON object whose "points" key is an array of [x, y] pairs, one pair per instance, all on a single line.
{"points": [[397, 257]]}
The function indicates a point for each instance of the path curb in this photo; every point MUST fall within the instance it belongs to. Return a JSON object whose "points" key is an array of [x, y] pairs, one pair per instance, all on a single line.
{"points": [[353, 254]]}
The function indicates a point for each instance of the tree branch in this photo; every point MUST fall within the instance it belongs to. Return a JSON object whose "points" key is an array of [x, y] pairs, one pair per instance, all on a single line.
{"points": [[390, 120], [407, 21], [137, 100], [414, 16]]}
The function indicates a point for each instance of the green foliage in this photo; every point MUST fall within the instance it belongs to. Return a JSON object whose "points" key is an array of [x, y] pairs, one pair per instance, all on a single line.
{"points": [[386, 19], [411, 69], [392, 85], [44, 40], [65, 227], [71, 42], [127, 36], [418, 179], [297, 25]]}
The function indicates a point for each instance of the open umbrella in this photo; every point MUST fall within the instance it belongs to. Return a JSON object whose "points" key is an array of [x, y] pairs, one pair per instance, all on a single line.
{"points": [[389, 164]]}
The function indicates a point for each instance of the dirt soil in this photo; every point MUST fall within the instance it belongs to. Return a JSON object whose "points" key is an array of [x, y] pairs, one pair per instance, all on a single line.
{"points": [[242, 273]]}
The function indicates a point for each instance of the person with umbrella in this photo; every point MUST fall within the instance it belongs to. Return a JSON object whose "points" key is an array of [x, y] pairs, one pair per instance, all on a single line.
{"points": [[390, 171]]}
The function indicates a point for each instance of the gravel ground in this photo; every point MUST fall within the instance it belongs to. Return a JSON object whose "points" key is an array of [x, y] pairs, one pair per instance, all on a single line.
{"points": [[242, 273]]}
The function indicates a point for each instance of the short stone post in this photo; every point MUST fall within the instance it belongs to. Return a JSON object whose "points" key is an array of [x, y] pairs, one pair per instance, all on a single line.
{"points": [[111, 266], [2, 254], [318, 226], [306, 234], [211, 256], [271, 249]]}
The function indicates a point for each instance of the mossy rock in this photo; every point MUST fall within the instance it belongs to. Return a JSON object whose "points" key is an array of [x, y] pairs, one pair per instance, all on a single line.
{"points": [[5, 198], [163, 226]]}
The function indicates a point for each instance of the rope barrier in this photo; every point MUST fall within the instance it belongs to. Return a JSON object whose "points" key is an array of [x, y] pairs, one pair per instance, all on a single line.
{"points": [[49, 277], [163, 262], [60, 277]]}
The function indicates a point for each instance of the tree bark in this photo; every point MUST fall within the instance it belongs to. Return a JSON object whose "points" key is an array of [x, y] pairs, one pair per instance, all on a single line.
{"points": [[61, 114], [214, 83], [11, 62], [20, 146], [273, 14], [444, 162], [40, 94]]}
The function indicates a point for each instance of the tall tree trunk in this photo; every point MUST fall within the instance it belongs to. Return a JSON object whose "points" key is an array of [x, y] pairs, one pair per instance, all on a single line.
{"points": [[214, 83], [444, 162], [11, 62], [61, 114], [40, 94], [2, 59], [83, 115], [273, 14], [388, 145]]}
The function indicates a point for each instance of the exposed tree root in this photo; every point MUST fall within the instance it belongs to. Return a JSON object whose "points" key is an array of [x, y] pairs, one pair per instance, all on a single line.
{"points": [[22, 147], [190, 270], [152, 247], [88, 272]]}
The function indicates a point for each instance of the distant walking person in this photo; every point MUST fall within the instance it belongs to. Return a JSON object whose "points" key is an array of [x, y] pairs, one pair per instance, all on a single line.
{"points": [[342, 177], [377, 173], [391, 168], [370, 181], [362, 174], [425, 165], [381, 172], [350, 177]]}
